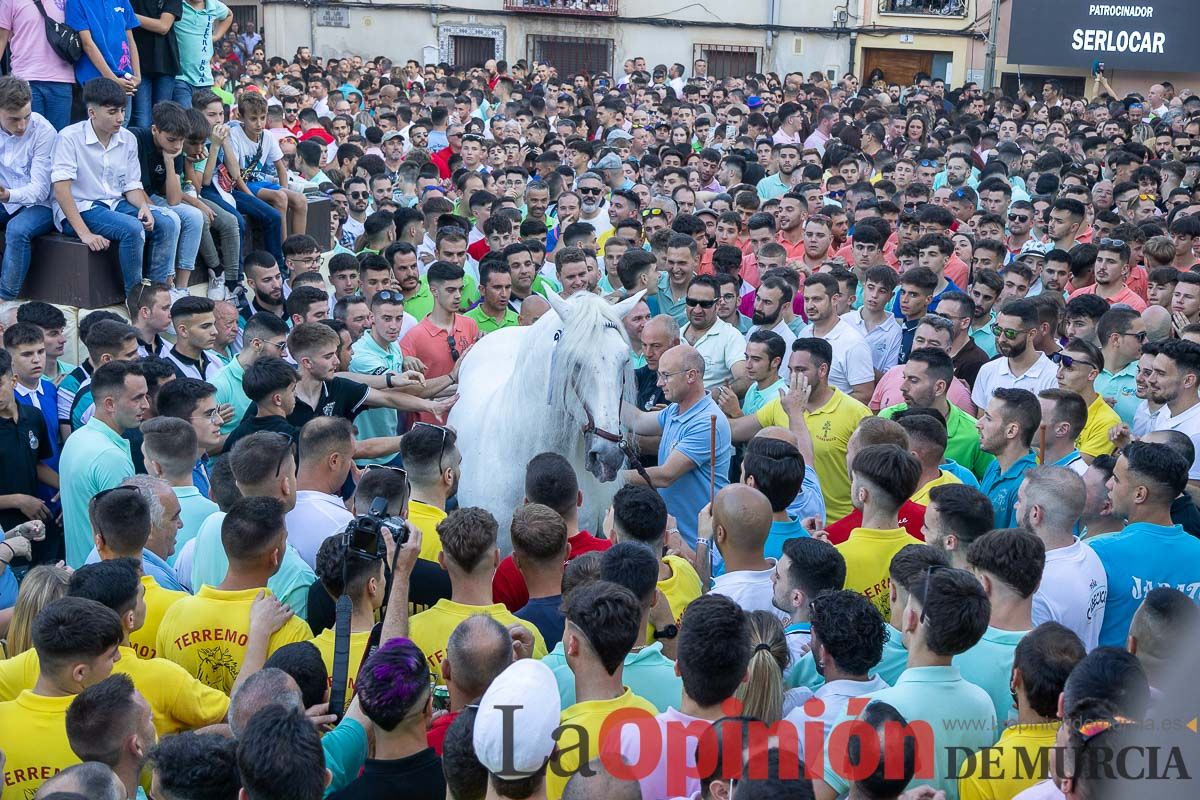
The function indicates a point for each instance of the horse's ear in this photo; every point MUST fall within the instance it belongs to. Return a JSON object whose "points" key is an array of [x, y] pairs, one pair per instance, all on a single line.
{"points": [[625, 306], [560, 306]]}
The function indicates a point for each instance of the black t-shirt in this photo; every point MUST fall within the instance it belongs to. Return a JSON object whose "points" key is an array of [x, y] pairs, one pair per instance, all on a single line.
{"points": [[24, 444], [969, 361], [157, 53], [648, 393], [415, 777], [1184, 512], [340, 397], [255, 424], [154, 170]]}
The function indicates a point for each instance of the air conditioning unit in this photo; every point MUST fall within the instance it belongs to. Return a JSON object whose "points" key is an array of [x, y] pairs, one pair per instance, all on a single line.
{"points": [[797, 46]]}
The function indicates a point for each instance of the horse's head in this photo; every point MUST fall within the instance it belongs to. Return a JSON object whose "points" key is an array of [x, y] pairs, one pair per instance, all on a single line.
{"points": [[600, 355]]}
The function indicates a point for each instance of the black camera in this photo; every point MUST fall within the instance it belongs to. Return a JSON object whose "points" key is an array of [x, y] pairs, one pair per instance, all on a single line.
{"points": [[364, 534]]}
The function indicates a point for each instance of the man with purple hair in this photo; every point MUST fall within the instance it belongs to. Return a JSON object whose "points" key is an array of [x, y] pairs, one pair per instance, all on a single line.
{"points": [[393, 690]]}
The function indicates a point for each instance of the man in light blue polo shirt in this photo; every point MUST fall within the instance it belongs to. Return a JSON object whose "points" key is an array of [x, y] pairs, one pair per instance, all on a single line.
{"points": [[263, 466], [787, 160], [1121, 332], [684, 462], [1150, 551], [945, 616], [95, 457], [377, 353], [1006, 431], [264, 335], [1010, 564]]}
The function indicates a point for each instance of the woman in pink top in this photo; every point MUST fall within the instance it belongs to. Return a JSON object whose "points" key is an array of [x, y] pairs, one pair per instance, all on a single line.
{"points": [[23, 32]]}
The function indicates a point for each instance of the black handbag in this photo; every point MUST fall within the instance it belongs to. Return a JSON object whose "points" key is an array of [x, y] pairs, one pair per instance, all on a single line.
{"points": [[63, 39]]}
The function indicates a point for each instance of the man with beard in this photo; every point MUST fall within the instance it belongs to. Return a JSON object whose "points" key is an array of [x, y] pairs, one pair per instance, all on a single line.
{"points": [[787, 160], [1172, 382], [266, 282], [1021, 365], [792, 229], [772, 296], [1111, 271], [592, 210], [851, 370], [1006, 430], [358, 197], [719, 343]]}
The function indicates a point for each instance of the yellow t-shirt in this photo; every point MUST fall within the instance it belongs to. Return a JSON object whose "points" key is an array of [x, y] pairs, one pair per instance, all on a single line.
{"points": [[1008, 774], [1093, 439], [830, 427], [681, 588], [158, 600], [178, 701], [868, 554], [358, 650], [427, 517], [207, 634], [590, 716], [33, 738], [430, 630], [921, 496]]}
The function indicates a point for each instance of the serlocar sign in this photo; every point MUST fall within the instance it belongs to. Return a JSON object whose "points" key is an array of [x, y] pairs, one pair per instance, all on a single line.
{"points": [[1151, 35]]}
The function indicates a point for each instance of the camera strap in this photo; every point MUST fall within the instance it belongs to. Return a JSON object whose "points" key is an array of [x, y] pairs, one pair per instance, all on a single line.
{"points": [[341, 656]]}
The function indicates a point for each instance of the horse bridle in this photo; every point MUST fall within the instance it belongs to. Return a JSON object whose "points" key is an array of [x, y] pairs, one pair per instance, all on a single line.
{"points": [[620, 441]]}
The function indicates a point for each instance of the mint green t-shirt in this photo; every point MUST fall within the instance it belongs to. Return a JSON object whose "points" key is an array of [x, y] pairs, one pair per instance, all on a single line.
{"points": [[209, 565], [94, 458], [229, 390], [989, 666], [891, 664], [194, 36], [370, 358], [194, 508]]}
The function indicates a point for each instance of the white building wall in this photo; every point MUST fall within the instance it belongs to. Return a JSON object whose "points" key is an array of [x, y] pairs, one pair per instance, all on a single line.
{"points": [[403, 30]]}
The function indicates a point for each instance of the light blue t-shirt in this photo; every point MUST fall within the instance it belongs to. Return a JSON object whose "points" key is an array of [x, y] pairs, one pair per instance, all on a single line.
{"points": [[757, 398], [988, 665], [372, 359], [1141, 557], [1122, 386], [194, 35], [780, 533], [959, 714], [647, 672], [891, 664], [209, 565], [810, 502], [962, 473], [94, 458], [1001, 488], [687, 433], [194, 508], [229, 390]]}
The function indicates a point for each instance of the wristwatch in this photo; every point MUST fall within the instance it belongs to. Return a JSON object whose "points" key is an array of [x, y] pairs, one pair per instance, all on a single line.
{"points": [[669, 632], [388, 379]]}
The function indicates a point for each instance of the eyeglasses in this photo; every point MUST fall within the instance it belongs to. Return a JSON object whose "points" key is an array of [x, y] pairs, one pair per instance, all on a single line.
{"points": [[445, 435], [652, 212], [1070, 361], [213, 416], [663, 376], [388, 296], [928, 584], [728, 296], [1007, 333], [313, 259], [1112, 242], [692, 302], [454, 354], [1018, 218], [360, 195]]}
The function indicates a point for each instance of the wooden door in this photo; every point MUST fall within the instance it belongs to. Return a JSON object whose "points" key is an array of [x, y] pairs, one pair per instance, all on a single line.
{"points": [[898, 66]]}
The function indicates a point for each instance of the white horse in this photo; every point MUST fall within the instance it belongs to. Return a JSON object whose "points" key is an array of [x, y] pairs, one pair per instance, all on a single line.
{"points": [[556, 386]]}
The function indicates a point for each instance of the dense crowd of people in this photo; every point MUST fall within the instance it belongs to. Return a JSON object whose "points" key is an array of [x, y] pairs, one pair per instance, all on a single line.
{"points": [[913, 374]]}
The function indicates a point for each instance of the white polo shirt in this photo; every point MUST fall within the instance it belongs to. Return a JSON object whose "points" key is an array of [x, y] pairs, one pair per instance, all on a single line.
{"points": [[316, 517], [721, 346], [750, 589], [1187, 422], [996, 374], [884, 339], [1073, 592], [788, 337], [852, 356]]}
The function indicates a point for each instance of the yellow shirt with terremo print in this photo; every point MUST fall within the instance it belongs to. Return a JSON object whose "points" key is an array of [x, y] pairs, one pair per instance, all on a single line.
{"points": [[158, 600], [33, 738]]}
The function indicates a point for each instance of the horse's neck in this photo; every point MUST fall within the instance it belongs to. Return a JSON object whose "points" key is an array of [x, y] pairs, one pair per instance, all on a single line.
{"points": [[529, 397]]}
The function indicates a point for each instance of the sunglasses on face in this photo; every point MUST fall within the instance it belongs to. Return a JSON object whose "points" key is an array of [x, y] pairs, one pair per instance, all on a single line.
{"points": [[1007, 333], [595, 191], [1070, 361], [692, 302], [837, 194], [1018, 218], [360, 195]]}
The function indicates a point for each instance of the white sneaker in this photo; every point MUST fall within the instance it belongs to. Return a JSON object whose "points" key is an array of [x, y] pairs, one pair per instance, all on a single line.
{"points": [[217, 290], [176, 294]]}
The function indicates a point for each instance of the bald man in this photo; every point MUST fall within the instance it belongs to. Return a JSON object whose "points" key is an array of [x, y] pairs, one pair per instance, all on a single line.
{"points": [[1158, 323], [532, 309], [597, 783], [739, 525], [687, 459]]}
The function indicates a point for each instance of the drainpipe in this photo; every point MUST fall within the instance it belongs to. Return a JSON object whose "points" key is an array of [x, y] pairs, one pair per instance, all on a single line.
{"points": [[853, 44], [772, 35]]}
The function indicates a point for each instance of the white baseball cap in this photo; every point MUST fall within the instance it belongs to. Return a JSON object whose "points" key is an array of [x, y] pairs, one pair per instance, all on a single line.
{"points": [[516, 721]]}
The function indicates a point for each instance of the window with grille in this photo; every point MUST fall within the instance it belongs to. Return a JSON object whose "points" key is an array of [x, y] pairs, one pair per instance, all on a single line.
{"points": [[729, 61], [572, 54], [472, 51], [244, 14]]}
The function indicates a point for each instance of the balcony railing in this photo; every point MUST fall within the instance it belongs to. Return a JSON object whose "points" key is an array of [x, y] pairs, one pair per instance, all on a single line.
{"points": [[574, 8], [927, 8]]}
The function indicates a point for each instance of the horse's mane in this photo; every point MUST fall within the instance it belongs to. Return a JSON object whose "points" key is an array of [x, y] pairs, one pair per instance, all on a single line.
{"points": [[568, 371]]}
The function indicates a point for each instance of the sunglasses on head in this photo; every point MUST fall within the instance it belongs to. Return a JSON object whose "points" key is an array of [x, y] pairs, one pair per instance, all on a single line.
{"points": [[388, 296], [652, 212], [927, 163], [445, 435], [1070, 361], [695, 301]]}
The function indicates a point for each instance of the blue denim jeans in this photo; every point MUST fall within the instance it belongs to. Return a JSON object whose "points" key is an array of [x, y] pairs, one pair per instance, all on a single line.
{"points": [[267, 218], [153, 89], [52, 100], [182, 93], [121, 226], [191, 228], [20, 229]]}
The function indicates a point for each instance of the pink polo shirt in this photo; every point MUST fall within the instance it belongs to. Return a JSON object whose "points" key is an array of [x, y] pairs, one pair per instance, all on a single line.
{"points": [[1126, 296], [431, 344], [887, 392]]}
